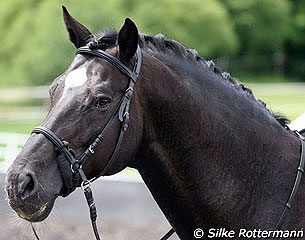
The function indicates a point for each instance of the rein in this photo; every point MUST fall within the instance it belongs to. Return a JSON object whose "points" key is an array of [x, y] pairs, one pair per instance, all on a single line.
{"points": [[296, 184], [71, 167]]}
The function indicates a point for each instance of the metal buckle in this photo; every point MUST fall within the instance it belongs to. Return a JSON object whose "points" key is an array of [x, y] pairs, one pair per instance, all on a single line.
{"points": [[85, 184], [91, 149], [128, 92], [125, 121]]}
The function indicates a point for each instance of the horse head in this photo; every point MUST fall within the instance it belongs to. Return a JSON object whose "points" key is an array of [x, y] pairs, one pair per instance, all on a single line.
{"points": [[85, 100]]}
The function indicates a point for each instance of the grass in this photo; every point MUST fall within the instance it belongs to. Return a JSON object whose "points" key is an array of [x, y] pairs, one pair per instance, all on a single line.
{"points": [[285, 98]]}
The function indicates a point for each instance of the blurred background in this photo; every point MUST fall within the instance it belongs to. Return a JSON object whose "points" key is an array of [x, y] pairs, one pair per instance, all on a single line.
{"points": [[260, 42]]}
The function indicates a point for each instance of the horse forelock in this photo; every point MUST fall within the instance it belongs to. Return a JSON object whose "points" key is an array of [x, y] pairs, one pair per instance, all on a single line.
{"points": [[158, 45], [106, 40]]}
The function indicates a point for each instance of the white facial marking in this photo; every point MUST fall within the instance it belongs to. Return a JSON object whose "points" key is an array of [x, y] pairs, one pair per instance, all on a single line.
{"points": [[75, 78]]}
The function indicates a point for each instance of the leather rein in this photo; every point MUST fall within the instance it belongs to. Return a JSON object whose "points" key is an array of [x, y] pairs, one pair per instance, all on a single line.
{"points": [[296, 184], [71, 167]]}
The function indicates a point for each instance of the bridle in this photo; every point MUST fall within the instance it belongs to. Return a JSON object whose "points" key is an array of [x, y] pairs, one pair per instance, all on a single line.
{"points": [[71, 167]]}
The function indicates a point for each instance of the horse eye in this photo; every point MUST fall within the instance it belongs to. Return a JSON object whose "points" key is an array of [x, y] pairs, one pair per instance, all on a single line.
{"points": [[101, 102]]}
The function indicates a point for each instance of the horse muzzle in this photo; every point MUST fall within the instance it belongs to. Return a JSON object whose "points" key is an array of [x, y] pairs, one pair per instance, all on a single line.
{"points": [[32, 188], [26, 197]]}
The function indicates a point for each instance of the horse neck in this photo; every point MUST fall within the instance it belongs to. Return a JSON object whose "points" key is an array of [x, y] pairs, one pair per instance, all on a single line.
{"points": [[166, 101], [202, 164]]}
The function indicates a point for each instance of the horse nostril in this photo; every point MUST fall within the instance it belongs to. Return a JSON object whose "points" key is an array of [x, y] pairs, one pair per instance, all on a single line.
{"points": [[25, 184]]}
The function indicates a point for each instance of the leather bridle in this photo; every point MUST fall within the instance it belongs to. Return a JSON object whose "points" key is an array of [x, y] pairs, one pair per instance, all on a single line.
{"points": [[71, 167], [121, 112]]}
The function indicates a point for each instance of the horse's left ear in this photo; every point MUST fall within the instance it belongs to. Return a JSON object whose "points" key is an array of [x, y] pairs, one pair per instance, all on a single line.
{"points": [[128, 40]]}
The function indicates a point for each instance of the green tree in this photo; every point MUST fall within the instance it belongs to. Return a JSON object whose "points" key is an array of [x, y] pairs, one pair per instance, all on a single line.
{"points": [[202, 25], [262, 25], [15, 25], [34, 46], [295, 45]]}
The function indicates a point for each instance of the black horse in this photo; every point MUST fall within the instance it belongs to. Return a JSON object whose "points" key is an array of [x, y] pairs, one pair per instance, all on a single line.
{"points": [[210, 153]]}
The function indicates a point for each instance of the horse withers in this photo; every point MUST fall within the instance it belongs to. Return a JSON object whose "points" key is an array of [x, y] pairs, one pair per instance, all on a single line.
{"points": [[211, 154]]}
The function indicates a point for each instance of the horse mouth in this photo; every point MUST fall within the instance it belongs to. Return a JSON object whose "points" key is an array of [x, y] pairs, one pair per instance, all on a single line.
{"points": [[31, 213]]}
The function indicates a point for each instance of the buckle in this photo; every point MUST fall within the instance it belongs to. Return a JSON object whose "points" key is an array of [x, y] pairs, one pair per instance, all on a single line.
{"points": [[91, 150], [85, 184], [128, 92], [125, 121]]}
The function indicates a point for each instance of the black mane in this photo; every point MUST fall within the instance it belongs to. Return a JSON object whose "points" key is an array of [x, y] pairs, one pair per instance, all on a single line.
{"points": [[158, 44]]}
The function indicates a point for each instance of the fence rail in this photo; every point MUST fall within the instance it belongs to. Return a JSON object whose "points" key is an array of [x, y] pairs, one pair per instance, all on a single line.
{"points": [[10, 146], [24, 93]]}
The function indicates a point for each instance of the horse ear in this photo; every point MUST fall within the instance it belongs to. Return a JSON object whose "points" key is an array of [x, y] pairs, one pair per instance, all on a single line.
{"points": [[78, 33], [128, 40]]}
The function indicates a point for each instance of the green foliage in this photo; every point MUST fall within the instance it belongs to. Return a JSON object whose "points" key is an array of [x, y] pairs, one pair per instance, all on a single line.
{"points": [[262, 25], [34, 46], [295, 46], [202, 25]]}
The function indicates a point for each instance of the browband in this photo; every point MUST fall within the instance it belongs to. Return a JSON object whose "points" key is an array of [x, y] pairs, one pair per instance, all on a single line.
{"points": [[133, 75]]}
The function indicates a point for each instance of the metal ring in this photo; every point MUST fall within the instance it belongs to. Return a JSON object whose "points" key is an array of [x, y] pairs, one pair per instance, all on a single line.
{"points": [[73, 165]]}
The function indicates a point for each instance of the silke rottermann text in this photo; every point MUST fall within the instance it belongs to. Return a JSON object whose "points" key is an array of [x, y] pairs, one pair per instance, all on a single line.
{"points": [[254, 233]]}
